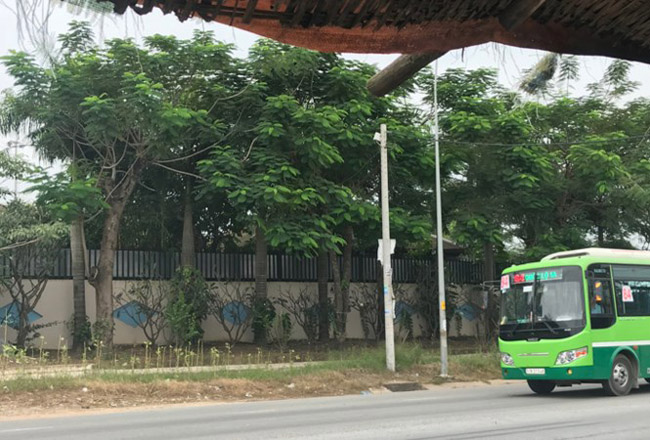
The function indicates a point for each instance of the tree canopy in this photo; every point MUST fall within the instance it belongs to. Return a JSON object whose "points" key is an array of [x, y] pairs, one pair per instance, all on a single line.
{"points": [[178, 144]]}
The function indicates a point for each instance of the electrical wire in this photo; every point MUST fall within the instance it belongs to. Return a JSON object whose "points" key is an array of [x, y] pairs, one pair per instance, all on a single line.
{"points": [[545, 144]]}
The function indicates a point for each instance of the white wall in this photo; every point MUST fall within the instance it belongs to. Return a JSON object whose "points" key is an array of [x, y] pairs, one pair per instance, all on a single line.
{"points": [[56, 306]]}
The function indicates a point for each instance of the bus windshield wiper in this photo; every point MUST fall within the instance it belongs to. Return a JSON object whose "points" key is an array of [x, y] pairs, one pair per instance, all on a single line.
{"points": [[553, 331]]}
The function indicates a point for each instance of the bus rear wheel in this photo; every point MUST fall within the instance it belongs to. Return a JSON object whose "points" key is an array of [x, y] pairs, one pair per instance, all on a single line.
{"points": [[621, 378], [542, 386]]}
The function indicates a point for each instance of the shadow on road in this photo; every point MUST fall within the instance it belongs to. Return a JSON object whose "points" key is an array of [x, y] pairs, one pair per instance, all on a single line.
{"points": [[581, 392]]}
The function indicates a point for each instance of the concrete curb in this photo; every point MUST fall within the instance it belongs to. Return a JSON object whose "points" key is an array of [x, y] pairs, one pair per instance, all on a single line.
{"points": [[203, 369], [78, 371], [44, 371]]}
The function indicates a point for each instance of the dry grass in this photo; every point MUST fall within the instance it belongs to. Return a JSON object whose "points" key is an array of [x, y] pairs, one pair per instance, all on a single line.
{"points": [[350, 375], [143, 356]]}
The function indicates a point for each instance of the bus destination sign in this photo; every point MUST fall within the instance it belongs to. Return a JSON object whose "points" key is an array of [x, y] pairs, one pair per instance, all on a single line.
{"points": [[529, 277]]}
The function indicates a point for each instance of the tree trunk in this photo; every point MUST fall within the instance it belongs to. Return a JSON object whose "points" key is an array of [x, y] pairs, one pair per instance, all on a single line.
{"points": [[261, 277], [323, 303], [348, 235], [342, 283], [78, 269], [339, 313], [601, 236], [23, 325], [102, 280], [380, 327], [489, 273], [187, 245]]}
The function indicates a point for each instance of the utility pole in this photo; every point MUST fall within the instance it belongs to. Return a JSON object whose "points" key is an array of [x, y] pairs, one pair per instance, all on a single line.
{"points": [[386, 251], [442, 305]]}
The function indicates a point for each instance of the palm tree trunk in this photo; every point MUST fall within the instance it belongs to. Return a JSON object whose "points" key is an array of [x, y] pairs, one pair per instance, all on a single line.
{"points": [[187, 246], [323, 303], [601, 236], [339, 313], [348, 235], [78, 268], [261, 277], [341, 281], [488, 259]]}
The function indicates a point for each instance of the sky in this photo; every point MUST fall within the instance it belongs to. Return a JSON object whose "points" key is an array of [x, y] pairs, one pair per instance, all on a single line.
{"points": [[509, 61]]}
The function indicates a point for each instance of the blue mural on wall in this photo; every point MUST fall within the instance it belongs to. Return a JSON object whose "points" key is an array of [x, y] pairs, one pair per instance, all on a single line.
{"points": [[235, 312], [131, 314], [468, 311], [10, 315], [402, 310]]}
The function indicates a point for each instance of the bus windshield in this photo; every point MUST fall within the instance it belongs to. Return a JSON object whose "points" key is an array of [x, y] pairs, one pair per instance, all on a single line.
{"points": [[542, 304]]}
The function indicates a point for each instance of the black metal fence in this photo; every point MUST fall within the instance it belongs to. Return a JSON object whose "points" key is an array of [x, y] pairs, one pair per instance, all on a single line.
{"points": [[134, 264]]}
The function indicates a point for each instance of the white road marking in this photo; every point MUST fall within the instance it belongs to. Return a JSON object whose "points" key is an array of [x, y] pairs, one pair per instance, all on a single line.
{"points": [[8, 431], [259, 411]]}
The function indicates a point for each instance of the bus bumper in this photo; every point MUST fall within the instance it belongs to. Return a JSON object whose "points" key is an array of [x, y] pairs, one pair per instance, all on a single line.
{"points": [[552, 373]]}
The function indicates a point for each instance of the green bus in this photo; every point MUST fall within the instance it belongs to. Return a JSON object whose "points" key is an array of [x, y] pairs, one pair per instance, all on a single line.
{"points": [[576, 317]]}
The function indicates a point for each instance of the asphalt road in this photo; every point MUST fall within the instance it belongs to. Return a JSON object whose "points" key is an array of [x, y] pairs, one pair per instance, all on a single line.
{"points": [[498, 411]]}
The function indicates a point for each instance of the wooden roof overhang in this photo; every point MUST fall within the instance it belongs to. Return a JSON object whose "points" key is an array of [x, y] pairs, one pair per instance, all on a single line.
{"points": [[430, 28]]}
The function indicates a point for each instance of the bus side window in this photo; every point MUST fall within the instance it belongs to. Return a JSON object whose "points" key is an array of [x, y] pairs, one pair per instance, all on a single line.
{"points": [[632, 286], [601, 305]]}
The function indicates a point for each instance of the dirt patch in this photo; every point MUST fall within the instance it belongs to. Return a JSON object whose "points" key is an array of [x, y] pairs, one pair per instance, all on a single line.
{"points": [[116, 390], [96, 394], [93, 394]]}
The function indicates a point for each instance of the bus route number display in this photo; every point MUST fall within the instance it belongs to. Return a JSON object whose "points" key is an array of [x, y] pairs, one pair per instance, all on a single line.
{"points": [[627, 294], [505, 282], [529, 277]]}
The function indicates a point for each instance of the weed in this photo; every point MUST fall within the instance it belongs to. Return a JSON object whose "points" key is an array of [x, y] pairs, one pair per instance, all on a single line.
{"points": [[42, 354], [214, 356]]}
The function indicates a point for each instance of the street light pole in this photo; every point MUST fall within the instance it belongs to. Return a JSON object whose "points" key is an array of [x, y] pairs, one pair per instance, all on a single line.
{"points": [[386, 248], [442, 306]]}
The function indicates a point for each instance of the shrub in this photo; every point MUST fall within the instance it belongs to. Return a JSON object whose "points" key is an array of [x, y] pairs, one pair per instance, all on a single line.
{"points": [[281, 330], [304, 309], [263, 316], [188, 306], [231, 307], [365, 300], [148, 312]]}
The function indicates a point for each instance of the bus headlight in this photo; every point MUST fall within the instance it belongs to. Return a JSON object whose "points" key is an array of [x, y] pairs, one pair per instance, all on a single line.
{"points": [[568, 356], [507, 359]]}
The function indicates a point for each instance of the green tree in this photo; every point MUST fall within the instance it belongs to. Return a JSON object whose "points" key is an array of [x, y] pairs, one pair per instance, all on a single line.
{"points": [[307, 175], [198, 74], [100, 107], [29, 248], [549, 175], [71, 199], [270, 186]]}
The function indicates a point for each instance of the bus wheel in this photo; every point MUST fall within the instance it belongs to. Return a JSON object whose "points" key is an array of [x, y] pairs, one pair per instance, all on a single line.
{"points": [[541, 386], [620, 380]]}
